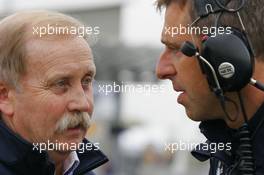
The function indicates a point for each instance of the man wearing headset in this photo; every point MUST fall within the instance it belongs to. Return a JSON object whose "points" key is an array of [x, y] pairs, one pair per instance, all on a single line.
{"points": [[215, 89]]}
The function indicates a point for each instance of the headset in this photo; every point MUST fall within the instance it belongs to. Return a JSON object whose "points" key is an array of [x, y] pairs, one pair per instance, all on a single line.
{"points": [[227, 60]]}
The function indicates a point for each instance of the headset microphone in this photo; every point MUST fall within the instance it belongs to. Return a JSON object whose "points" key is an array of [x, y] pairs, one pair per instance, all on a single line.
{"points": [[188, 49], [257, 84]]}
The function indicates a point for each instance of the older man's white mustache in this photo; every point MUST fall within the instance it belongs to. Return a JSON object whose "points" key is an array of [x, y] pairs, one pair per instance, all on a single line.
{"points": [[72, 120]]}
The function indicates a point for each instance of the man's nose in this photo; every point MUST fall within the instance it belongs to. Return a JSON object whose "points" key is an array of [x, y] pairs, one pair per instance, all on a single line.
{"points": [[165, 67], [81, 101]]}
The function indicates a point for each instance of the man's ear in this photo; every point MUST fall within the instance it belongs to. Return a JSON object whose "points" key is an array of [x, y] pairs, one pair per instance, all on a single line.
{"points": [[6, 100]]}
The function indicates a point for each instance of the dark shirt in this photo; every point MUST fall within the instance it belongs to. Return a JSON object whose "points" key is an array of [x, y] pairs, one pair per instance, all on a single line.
{"points": [[224, 162]]}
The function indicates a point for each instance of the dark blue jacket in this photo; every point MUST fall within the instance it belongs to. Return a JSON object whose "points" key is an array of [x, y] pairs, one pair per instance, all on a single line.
{"points": [[223, 162], [17, 157]]}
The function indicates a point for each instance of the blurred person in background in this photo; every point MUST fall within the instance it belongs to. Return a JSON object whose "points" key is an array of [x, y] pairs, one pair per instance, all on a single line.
{"points": [[230, 117], [46, 96]]}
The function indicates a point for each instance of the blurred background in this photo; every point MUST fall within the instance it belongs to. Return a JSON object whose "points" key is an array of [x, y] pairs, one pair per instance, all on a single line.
{"points": [[132, 126]]}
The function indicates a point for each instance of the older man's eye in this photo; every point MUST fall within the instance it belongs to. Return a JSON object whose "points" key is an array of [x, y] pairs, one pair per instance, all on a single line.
{"points": [[60, 83], [86, 82], [59, 86]]}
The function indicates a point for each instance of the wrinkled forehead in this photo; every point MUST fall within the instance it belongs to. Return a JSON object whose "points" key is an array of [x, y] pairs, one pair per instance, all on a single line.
{"points": [[178, 13], [58, 51], [177, 20]]}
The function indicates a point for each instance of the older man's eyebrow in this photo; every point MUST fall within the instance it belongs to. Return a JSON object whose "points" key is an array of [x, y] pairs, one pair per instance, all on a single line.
{"points": [[88, 71], [49, 81], [91, 70]]}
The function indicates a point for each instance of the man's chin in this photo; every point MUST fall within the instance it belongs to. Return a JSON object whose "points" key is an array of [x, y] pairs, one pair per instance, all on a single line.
{"points": [[68, 142], [194, 117], [199, 117]]}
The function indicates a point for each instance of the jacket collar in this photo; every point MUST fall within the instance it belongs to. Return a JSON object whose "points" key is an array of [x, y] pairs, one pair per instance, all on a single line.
{"points": [[90, 160], [13, 148], [16, 152]]}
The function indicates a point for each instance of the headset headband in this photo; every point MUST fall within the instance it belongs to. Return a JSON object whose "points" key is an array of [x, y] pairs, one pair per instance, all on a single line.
{"points": [[206, 7]]}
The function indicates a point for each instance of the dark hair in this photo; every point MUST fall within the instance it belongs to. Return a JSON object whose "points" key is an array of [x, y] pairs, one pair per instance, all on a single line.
{"points": [[252, 16]]}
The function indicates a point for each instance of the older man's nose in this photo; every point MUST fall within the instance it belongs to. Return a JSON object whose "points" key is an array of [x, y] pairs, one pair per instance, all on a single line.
{"points": [[80, 101]]}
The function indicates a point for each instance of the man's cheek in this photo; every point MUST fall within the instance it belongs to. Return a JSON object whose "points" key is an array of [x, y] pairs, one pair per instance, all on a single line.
{"points": [[55, 107]]}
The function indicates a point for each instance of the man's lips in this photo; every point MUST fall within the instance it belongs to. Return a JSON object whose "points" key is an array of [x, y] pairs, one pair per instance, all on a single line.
{"points": [[177, 88], [79, 128], [181, 95], [75, 127]]}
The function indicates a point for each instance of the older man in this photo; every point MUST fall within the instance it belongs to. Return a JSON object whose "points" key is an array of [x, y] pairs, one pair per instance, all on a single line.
{"points": [[46, 96], [215, 85]]}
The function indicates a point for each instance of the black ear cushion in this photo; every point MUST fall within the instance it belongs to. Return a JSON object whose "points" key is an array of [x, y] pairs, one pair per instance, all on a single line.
{"points": [[225, 52]]}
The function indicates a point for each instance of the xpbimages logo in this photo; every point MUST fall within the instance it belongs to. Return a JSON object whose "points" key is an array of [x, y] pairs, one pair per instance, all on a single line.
{"points": [[51, 146], [186, 146], [174, 31], [80, 31], [124, 87]]}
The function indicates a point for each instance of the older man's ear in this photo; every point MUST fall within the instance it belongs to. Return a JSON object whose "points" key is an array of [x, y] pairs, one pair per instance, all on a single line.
{"points": [[6, 100]]}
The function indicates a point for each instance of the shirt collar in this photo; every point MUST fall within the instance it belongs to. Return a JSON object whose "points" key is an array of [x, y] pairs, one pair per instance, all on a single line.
{"points": [[71, 163]]}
